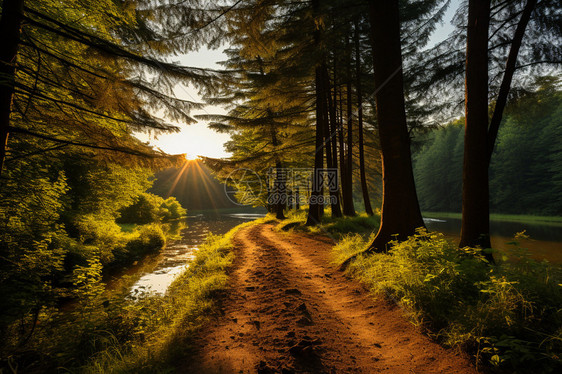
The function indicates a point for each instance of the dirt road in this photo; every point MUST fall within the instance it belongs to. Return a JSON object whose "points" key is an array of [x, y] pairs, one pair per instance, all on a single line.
{"points": [[290, 311]]}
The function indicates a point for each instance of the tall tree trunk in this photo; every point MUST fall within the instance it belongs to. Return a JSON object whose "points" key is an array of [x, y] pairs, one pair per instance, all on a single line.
{"points": [[334, 119], [316, 206], [280, 191], [400, 209], [332, 105], [10, 29], [348, 207], [326, 109], [316, 194], [508, 76], [341, 144], [362, 173], [475, 227], [280, 187]]}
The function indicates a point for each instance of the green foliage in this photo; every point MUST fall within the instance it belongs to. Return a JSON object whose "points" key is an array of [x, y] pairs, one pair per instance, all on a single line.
{"points": [[149, 238], [31, 238], [172, 209], [438, 169], [507, 315], [148, 208], [57, 219], [145, 209], [525, 173], [102, 332], [103, 189], [337, 227]]}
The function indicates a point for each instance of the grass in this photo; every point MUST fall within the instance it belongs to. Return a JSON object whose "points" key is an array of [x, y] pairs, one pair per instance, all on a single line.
{"points": [[508, 315], [108, 332], [127, 227], [550, 220], [166, 324], [335, 227]]}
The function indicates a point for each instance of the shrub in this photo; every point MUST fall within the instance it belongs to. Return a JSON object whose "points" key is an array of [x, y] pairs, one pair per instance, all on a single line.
{"points": [[146, 239], [172, 209], [150, 208], [361, 224], [145, 209], [101, 235]]}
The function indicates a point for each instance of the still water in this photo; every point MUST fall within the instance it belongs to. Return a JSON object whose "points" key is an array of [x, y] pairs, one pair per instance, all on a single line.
{"points": [[545, 242], [158, 271]]}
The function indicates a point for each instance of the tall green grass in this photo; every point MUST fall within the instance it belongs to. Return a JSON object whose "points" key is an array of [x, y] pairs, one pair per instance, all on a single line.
{"points": [[170, 321], [113, 333], [335, 227], [507, 315]]}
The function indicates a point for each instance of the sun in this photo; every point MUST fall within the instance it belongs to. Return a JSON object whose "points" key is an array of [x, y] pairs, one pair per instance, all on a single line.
{"points": [[190, 156]]}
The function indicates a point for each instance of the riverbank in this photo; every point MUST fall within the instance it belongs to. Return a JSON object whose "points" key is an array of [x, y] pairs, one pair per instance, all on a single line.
{"points": [[550, 220], [112, 332], [165, 324], [203, 318]]}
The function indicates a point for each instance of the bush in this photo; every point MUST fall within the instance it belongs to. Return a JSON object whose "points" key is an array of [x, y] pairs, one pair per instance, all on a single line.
{"points": [[150, 208], [101, 236], [507, 314], [145, 240], [172, 209], [145, 209]]}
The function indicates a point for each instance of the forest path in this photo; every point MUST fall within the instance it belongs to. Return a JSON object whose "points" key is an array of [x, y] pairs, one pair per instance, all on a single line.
{"points": [[289, 310]]}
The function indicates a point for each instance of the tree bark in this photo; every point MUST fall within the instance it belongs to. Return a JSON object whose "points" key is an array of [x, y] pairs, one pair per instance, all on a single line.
{"points": [[280, 187], [316, 188], [332, 107], [475, 227], [348, 206], [400, 209], [341, 153], [326, 109], [334, 120], [362, 173], [508, 76], [10, 30]]}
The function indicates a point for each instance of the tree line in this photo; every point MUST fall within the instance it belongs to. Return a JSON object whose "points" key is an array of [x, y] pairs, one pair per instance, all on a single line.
{"points": [[525, 169]]}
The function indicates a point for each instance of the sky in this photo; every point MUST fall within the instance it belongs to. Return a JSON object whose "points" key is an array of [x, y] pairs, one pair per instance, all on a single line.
{"points": [[197, 139], [194, 139]]}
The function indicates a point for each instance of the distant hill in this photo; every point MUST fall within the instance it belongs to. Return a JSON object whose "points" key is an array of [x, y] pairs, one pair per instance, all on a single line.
{"points": [[194, 186]]}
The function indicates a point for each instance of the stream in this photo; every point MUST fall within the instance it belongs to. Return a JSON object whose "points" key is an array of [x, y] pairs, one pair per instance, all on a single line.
{"points": [[156, 272]]}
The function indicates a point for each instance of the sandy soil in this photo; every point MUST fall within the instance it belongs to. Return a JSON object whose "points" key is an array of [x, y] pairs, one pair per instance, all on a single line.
{"points": [[290, 311]]}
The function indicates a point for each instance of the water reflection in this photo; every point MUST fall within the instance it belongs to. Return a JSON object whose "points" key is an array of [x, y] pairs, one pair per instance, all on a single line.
{"points": [[545, 243], [159, 271]]}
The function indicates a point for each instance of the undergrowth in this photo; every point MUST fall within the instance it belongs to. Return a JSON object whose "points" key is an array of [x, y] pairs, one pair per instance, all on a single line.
{"points": [[336, 227], [170, 321], [114, 333], [507, 315]]}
